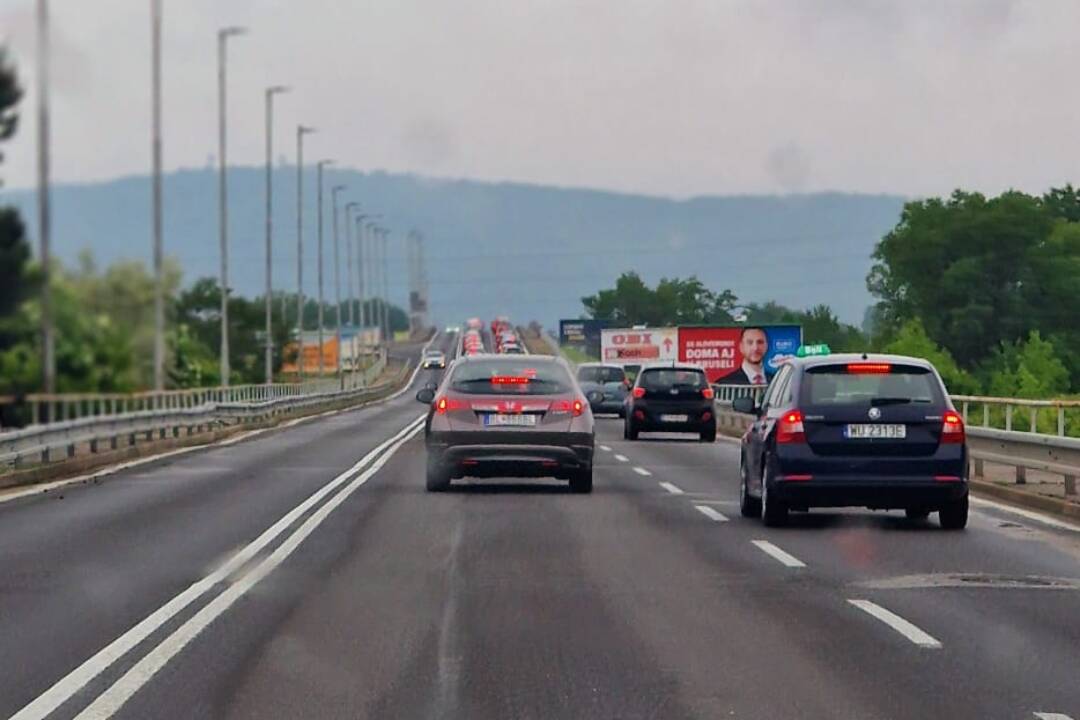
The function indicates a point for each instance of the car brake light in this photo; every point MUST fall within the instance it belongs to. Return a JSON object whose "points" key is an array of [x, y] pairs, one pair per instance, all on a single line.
{"points": [[576, 407], [952, 428], [445, 404], [790, 428], [639, 392], [707, 393], [870, 368], [509, 380]]}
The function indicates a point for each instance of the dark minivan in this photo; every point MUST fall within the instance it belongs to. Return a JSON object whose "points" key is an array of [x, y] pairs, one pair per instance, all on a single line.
{"points": [[671, 397], [875, 431]]}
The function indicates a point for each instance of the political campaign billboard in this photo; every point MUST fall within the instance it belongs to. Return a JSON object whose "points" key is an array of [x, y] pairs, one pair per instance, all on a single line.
{"points": [[583, 335], [742, 355], [632, 347]]}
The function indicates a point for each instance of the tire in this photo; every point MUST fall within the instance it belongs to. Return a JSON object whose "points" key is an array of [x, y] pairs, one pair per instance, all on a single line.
{"points": [[438, 477], [774, 513], [954, 515], [631, 432], [622, 412], [917, 513], [581, 481], [709, 434], [749, 506]]}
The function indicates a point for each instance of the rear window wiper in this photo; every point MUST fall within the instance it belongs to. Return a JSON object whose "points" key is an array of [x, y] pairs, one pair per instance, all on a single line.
{"points": [[880, 401]]}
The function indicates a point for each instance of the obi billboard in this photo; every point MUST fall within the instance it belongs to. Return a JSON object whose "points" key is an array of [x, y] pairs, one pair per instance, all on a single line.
{"points": [[634, 347], [744, 355]]}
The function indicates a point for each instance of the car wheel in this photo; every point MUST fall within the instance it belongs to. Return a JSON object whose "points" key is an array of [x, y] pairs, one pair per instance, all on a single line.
{"points": [[917, 513], [709, 434], [774, 513], [622, 412], [749, 506], [438, 477], [954, 515], [581, 481]]}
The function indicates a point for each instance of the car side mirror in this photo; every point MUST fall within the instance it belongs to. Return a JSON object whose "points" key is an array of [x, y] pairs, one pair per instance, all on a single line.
{"points": [[595, 397], [745, 405], [426, 396]]}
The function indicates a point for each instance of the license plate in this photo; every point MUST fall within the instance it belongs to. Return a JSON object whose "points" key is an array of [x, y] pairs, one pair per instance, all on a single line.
{"points": [[509, 420], [868, 431], [674, 418]]}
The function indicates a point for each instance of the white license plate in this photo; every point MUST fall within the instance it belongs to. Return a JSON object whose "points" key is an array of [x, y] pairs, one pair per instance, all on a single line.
{"points": [[674, 418], [868, 431], [510, 420]]}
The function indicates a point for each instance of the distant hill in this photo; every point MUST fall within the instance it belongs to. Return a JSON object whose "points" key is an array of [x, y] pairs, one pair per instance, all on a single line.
{"points": [[498, 248]]}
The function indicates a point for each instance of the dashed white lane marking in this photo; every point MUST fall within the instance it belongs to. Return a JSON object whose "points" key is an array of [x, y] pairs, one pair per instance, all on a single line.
{"points": [[777, 554], [897, 623], [605, 448], [622, 458], [711, 513], [74, 681], [672, 488], [1052, 716], [642, 471], [1029, 514]]}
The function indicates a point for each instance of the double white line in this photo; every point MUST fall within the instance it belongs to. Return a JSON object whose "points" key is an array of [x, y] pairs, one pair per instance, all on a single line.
{"points": [[121, 691]]}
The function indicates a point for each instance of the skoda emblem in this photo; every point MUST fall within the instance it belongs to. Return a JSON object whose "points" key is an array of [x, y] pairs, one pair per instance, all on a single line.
{"points": [[875, 413], [674, 391]]}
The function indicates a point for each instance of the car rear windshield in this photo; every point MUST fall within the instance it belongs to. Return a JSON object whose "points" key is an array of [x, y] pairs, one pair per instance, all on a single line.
{"points": [[511, 377], [870, 384], [663, 379], [601, 375]]}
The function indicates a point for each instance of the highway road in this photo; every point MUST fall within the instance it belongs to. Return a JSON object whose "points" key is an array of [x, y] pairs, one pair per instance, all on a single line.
{"points": [[305, 573]]}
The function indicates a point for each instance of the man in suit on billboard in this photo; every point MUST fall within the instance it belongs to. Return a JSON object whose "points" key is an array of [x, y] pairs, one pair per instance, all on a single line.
{"points": [[754, 346]]}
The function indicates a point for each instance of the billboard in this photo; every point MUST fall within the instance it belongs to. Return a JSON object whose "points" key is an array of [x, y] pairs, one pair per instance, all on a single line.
{"points": [[583, 335], [629, 346], [743, 355]]}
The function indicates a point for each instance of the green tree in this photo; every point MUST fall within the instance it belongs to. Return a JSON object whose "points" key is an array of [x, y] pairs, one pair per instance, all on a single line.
{"points": [[10, 95], [912, 340], [673, 302], [1029, 369]]}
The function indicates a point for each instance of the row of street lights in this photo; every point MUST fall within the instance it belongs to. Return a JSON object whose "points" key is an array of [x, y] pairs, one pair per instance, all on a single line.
{"points": [[367, 274]]}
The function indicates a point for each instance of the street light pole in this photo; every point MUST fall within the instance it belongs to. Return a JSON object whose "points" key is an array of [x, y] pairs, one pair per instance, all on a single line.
{"points": [[361, 312], [155, 152], [364, 269], [337, 283], [301, 131], [319, 168], [270, 93], [223, 213], [384, 234], [48, 346], [349, 259], [367, 247]]}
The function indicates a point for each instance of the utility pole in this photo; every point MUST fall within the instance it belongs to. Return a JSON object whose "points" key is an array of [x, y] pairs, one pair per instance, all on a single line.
{"points": [[301, 131], [48, 360], [155, 153], [223, 210], [270, 93], [319, 167], [349, 260], [384, 234], [337, 284]]}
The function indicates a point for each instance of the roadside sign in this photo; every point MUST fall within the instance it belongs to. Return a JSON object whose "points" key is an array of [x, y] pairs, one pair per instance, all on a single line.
{"points": [[628, 346], [728, 359]]}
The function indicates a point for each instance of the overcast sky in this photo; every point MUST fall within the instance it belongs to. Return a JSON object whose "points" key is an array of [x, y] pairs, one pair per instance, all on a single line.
{"points": [[670, 97]]}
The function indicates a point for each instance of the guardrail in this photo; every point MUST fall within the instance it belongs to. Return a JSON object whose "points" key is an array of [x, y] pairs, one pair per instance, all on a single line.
{"points": [[59, 440], [46, 409], [1023, 451]]}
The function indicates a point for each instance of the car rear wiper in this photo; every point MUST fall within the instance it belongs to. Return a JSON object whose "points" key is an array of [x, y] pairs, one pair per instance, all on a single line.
{"points": [[880, 401]]}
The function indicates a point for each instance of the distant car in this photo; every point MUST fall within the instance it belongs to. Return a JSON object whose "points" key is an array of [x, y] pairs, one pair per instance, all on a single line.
{"points": [[513, 350], [670, 397], [433, 359], [876, 431], [610, 381], [498, 416]]}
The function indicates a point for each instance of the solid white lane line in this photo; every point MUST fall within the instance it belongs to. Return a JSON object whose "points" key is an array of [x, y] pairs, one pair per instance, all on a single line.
{"points": [[74, 681], [711, 513], [897, 623], [1052, 716], [622, 458], [605, 448], [642, 471], [777, 554], [672, 488], [109, 702], [1029, 514]]}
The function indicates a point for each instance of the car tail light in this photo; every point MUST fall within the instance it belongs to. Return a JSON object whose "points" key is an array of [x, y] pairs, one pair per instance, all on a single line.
{"points": [[798, 478], [509, 380], [790, 428], [639, 415], [639, 392], [707, 393], [947, 478], [952, 428], [870, 368], [444, 404], [561, 407], [706, 415]]}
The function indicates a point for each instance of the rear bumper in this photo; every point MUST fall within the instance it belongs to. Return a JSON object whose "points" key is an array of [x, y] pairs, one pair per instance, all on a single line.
{"points": [[511, 459], [608, 406], [881, 493]]}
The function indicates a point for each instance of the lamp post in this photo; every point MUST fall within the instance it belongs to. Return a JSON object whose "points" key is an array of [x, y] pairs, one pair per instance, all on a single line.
{"points": [[384, 234], [348, 248], [48, 346], [364, 271], [155, 152], [223, 211], [337, 282], [270, 93], [301, 131], [319, 167]]}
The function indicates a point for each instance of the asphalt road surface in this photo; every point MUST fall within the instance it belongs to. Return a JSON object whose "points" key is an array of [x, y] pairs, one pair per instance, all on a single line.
{"points": [[305, 573]]}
